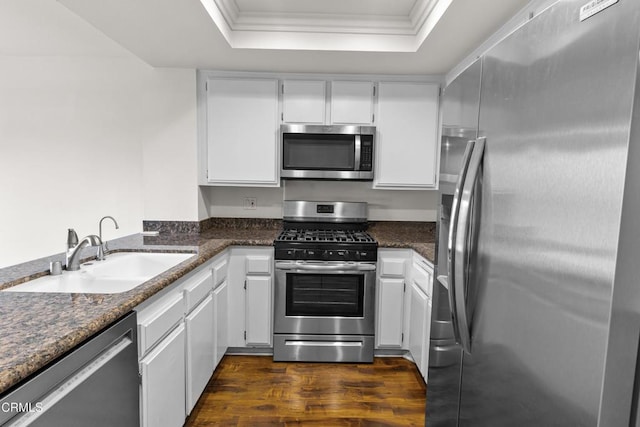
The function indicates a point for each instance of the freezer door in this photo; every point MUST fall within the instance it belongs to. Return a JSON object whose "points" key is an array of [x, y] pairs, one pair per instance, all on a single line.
{"points": [[460, 103], [555, 109]]}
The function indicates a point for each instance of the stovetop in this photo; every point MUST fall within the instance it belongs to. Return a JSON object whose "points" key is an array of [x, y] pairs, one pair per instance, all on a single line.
{"points": [[325, 231], [325, 236], [325, 245]]}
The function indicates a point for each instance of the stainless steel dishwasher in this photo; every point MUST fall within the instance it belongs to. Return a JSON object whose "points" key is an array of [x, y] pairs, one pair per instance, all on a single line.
{"points": [[94, 385]]}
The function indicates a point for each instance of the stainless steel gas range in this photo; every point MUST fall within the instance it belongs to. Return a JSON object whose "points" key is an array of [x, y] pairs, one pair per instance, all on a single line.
{"points": [[325, 270]]}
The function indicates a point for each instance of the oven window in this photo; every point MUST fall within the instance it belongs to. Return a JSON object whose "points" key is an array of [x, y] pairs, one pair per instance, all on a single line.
{"points": [[318, 152], [321, 295]]}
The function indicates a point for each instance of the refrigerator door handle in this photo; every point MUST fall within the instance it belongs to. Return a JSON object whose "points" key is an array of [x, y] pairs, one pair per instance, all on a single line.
{"points": [[453, 225], [460, 267]]}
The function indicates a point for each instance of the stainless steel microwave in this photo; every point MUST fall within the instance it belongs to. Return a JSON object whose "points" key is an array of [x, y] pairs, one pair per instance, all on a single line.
{"points": [[327, 152]]}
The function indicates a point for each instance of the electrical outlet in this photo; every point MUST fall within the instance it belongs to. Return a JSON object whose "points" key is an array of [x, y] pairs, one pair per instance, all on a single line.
{"points": [[250, 203]]}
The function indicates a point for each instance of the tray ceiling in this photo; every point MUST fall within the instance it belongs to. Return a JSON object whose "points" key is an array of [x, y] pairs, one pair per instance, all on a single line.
{"points": [[353, 25]]}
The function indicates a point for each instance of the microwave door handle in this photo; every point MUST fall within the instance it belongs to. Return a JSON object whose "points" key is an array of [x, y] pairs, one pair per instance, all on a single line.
{"points": [[464, 232], [358, 150], [453, 227]]}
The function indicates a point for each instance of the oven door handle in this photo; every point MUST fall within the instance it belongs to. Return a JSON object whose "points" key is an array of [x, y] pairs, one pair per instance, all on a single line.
{"points": [[306, 267]]}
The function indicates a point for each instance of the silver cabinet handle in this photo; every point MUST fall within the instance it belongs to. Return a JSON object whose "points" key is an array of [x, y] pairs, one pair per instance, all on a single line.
{"points": [[462, 238], [453, 227]]}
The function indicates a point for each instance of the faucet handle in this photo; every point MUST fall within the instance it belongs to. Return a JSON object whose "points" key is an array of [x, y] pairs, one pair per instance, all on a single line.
{"points": [[100, 254], [72, 238]]}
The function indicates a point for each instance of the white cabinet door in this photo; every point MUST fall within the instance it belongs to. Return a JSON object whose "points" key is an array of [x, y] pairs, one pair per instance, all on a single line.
{"points": [[200, 350], [351, 102], [419, 303], [250, 294], [163, 379], [220, 302], [407, 143], [303, 101], [426, 340], [258, 311], [390, 313], [242, 132]]}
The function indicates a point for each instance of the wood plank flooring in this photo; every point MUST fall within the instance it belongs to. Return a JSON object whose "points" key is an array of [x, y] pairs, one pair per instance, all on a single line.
{"points": [[255, 391]]}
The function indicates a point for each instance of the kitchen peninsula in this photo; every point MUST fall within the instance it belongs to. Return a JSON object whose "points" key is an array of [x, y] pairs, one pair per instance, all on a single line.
{"points": [[38, 328]]}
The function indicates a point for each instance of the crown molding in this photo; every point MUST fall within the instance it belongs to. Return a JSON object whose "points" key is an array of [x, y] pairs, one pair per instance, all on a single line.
{"points": [[327, 30]]}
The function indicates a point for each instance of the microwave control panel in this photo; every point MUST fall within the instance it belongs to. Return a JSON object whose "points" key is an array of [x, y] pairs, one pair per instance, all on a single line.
{"points": [[366, 153]]}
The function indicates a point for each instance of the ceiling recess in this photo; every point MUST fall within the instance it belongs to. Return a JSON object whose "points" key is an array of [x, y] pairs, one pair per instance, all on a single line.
{"points": [[330, 25]]}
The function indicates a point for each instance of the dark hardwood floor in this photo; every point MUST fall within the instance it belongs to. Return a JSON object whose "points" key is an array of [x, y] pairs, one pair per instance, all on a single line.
{"points": [[255, 391]]}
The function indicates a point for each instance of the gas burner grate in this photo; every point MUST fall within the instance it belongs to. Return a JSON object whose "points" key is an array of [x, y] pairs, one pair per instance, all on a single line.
{"points": [[331, 236]]}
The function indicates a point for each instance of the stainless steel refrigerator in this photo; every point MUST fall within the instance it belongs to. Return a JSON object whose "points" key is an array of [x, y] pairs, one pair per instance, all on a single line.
{"points": [[538, 257]]}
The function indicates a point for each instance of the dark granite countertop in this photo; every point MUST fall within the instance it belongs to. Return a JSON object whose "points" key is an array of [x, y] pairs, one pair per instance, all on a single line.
{"points": [[37, 328], [419, 236]]}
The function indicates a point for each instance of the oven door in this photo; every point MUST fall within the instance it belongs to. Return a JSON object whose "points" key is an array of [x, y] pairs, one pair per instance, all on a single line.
{"points": [[324, 298]]}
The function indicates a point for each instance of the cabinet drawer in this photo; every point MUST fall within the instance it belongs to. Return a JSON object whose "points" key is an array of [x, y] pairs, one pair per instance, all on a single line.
{"points": [[258, 264], [422, 279], [220, 272], [197, 288], [158, 320], [392, 267]]}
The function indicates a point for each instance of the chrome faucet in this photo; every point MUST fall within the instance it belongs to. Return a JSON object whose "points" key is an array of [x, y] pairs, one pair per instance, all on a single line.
{"points": [[73, 263], [103, 246]]}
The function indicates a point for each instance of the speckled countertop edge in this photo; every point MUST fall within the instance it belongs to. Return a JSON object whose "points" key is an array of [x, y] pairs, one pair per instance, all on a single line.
{"points": [[38, 328]]}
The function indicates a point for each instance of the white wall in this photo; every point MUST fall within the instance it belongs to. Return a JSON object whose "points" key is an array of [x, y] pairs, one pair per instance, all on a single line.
{"points": [[388, 205], [86, 130], [170, 186]]}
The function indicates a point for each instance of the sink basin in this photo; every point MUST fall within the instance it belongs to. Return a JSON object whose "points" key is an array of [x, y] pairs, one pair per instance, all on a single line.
{"points": [[119, 272], [133, 264]]}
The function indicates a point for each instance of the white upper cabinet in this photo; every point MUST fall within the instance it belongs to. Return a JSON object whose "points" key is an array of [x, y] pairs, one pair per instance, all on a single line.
{"points": [[242, 132], [352, 102], [303, 101], [407, 144], [240, 115]]}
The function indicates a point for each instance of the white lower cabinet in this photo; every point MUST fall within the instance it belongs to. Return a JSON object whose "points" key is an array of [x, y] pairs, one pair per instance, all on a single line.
{"points": [[162, 371], [391, 324], [405, 281], [220, 303], [250, 297], [421, 306], [258, 314], [419, 320], [220, 306], [180, 343], [200, 353], [390, 332]]}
